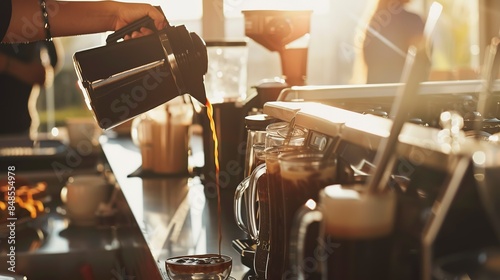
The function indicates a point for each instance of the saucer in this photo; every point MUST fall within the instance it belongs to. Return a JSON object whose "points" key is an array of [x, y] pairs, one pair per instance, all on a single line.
{"points": [[80, 221]]}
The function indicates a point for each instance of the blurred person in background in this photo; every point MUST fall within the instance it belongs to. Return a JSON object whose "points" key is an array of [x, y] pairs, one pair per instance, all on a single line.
{"points": [[26, 69], [388, 33]]}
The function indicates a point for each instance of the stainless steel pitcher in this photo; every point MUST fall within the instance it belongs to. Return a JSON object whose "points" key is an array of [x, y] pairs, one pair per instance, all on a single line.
{"points": [[125, 78]]}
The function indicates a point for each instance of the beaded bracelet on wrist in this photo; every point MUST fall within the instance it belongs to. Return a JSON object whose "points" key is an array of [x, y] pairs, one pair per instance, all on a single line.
{"points": [[45, 16]]}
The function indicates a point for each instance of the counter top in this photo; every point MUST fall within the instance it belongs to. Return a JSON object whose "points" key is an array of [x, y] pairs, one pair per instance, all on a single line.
{"points": [[174, 213], [50, 247]]}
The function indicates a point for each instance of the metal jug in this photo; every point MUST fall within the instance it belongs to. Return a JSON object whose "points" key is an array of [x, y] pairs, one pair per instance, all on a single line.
{"points": [[126, 78]]}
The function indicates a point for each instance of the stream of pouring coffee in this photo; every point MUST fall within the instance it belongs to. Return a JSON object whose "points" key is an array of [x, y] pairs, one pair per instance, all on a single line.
{"points": [[210, 114]]}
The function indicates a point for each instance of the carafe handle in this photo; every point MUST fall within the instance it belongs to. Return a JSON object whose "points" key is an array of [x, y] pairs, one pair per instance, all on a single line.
{"points": [[252, 212], [238, 197], [249, 184], [303, 219], [145, 21]]}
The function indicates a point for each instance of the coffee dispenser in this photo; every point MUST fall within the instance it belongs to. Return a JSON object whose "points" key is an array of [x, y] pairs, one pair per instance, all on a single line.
{"points": [[226, 78], [126, 78], [226, 89], [285, 32]]}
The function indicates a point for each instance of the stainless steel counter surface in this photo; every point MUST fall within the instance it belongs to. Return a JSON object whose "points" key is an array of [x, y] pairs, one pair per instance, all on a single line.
{"points": [[174, 213]]}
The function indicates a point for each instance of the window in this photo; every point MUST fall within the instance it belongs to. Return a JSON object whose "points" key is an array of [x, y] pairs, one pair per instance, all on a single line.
{"points": [[233, 8], [456, 52]]}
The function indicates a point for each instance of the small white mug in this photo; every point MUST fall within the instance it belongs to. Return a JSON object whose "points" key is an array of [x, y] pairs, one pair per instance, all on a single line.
{"points": [[83, 134], [82, 195]]}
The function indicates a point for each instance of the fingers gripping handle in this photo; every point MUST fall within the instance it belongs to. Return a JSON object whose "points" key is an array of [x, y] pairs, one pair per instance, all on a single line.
{"points": [[145, 21]]}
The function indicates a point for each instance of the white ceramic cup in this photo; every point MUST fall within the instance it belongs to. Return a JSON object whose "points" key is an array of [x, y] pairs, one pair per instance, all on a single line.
{"points": [[82, 195], [83, 134]]}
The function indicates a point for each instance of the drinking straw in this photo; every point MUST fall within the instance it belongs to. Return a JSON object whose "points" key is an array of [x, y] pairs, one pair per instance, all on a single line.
{"points": [[416, 70]]}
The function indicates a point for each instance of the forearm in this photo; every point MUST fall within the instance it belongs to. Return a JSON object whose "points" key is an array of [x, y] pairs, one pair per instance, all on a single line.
{"points": [[76, 18], [26, 22], [68, 18], [65, 18]]}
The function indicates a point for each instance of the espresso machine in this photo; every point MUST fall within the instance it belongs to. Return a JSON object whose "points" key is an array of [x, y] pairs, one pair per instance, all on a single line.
{"points": [[444, 223]]}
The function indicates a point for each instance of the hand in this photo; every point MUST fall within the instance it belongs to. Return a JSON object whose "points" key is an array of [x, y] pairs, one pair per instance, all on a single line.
{"points": [[130, 12]]}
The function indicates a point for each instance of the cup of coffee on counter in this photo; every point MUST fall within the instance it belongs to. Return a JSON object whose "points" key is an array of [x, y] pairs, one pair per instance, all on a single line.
{"points": [[292, 175], [354, 240], [82, 196], [303, 176], [199, 267], [273, 135], [257, 191], [242, 197]]}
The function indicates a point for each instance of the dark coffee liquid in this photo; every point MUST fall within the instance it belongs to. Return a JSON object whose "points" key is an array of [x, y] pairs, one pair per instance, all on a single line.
{"points": [[195, 264], [263, 244], [256, 163], [210, 114], [276, 226], [208, 263], [296, 191]]}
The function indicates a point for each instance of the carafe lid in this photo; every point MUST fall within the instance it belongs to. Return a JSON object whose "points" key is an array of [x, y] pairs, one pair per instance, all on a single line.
{"points": [[226, 43], [258, 122]]}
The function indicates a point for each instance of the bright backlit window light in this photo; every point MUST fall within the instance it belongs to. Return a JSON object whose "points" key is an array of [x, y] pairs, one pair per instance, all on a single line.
{"points": [[233, 8]]}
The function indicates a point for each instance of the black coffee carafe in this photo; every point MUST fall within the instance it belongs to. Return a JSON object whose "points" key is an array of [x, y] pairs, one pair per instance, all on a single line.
{"points": [[125, 78]]}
